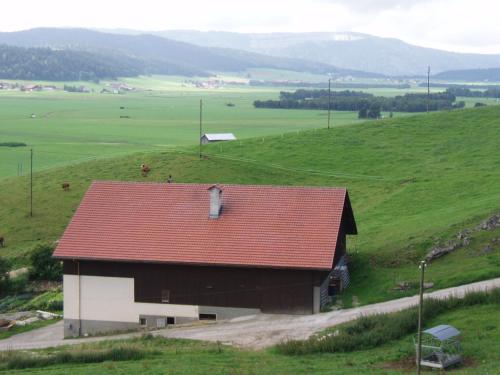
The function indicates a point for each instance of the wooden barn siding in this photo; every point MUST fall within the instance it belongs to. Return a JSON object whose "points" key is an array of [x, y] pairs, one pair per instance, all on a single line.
{"points": [[271, 290]]}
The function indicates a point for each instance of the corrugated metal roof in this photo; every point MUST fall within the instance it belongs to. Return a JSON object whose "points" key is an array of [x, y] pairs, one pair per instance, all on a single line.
{"points": [[220, 137], [265, 226], [443, 332]]}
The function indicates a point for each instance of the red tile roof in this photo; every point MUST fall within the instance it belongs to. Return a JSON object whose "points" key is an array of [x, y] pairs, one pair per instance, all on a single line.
{"points": [[264, 226]]}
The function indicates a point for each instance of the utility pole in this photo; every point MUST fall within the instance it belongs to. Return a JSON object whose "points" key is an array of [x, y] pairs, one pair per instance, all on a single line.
{"points": [[329, 100], [420, 308], [31, 183], [201, 111], [428, 86]]}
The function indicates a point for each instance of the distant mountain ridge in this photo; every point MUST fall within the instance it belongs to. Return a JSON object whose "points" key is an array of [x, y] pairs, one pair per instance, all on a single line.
{"points": [[155, 52], [347, 50]]}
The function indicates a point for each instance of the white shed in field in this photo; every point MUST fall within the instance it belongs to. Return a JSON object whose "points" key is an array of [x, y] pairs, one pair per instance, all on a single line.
{"points": [[220, 137]]}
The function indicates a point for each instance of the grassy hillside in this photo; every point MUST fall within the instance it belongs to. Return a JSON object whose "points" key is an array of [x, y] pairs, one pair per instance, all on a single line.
{"points": [[413, 181], [71, 127]]}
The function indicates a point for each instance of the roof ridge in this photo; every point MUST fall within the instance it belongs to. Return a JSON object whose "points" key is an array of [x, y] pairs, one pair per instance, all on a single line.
{"points": [[117, 182]]}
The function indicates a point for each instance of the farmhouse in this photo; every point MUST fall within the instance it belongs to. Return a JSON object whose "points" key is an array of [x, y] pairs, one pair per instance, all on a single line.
{"points": [[151, 254], [220, 137]]}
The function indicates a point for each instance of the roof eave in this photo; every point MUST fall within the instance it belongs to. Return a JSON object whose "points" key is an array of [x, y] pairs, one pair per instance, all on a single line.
{"points": [[200, 264]]}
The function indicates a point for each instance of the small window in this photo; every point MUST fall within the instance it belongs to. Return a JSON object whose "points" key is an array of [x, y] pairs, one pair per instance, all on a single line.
{"points": [[165, 296], [170, 320], [143, 322], [207, 316], [160, 323]]}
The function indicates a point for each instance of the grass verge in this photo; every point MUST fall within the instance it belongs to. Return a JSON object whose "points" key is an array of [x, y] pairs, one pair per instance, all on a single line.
{"points": [[371, 331]]}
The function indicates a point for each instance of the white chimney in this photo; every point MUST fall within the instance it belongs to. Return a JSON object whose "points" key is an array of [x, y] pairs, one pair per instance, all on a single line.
{"points": [[215, 201]]}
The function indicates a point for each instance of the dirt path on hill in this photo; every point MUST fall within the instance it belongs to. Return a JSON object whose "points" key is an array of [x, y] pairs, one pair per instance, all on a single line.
{"points": [[256, 331]]}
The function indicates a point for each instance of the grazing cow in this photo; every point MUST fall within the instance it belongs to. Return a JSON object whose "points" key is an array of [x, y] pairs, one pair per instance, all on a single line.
{"points": [[145, 170], [65, 186], [2, 241]]}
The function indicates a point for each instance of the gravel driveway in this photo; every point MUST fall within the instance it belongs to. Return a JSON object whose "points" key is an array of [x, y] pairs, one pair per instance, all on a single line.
{"points": [[256, 331]]}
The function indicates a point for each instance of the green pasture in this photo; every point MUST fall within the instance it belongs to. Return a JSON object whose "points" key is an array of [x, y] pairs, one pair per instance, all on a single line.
{"points": [[71, 127]]}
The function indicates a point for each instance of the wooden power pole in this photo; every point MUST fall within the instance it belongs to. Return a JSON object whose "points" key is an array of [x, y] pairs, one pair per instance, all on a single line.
{"points": [[428, 87], [420, 308], [329, 100], [201, 118], [31, 183]]}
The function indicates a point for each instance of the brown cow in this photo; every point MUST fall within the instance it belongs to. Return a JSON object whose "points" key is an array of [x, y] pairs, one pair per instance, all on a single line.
{"points": [[145, 170], [2, 241], [65, 186]]}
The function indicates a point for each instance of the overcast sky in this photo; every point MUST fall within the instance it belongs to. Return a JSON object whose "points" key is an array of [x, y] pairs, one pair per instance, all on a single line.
{"points": [[456, 25]]}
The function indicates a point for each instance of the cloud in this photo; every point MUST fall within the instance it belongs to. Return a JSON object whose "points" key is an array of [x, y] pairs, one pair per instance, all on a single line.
{"points": [[376, 5]]}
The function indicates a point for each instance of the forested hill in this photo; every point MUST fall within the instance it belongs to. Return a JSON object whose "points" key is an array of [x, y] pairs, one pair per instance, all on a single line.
{"points": [[471, 75], [68, 65], [158, 51]]}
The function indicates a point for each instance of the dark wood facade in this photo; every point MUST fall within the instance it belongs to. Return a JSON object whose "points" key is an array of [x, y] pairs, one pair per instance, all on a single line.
{"points": [[276, 290], [271, 290]]}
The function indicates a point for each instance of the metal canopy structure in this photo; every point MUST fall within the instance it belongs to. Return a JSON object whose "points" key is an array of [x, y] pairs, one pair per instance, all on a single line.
{"points": [[443, 332], [441, 347]]}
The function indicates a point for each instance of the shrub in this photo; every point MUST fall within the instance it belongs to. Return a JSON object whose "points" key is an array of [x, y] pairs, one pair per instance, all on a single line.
{"points": [[12, 144], [19, 360], [4, 276], [43, 266]]}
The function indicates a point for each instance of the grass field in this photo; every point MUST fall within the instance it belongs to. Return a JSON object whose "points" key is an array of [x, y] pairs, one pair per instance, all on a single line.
{"points": [[480, 339], [413, 181], [73, 127]]}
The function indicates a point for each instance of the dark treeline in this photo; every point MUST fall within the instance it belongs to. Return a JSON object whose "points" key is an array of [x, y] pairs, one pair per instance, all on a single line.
{"points": [[455, 85], [463, 91], [360, 101], [323, 85], [71, 65]]}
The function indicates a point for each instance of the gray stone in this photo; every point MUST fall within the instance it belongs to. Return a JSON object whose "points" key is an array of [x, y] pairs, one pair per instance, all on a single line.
{"points": [[491, 223], [439, 251]]}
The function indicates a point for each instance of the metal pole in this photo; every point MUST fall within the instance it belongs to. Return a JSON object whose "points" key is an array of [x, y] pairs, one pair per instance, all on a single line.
{"points": [[201, 109], [329, 100], [428, 86], [420, 307], [31, 183]]}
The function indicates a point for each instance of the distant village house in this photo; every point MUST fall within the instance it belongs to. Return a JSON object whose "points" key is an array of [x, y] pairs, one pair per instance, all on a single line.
{"points": [[219, 137]]}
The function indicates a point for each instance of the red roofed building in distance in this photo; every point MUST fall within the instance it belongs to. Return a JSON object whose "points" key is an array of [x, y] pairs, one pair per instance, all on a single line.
{"points": [[151, 254]]}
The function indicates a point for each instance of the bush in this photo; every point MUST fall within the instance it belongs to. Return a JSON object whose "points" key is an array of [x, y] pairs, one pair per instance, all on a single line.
{"points": [[371, 331], [4, 276], [13, 144], [43, 266], [20, 360]]}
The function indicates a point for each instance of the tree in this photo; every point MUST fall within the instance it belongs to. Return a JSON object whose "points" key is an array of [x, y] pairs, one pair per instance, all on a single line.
{"points": [[374, 111], [43, 266], [363, 113]]}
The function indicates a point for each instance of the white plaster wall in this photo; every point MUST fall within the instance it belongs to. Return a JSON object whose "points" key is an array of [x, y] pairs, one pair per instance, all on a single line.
{"points": [[112, 299]]}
